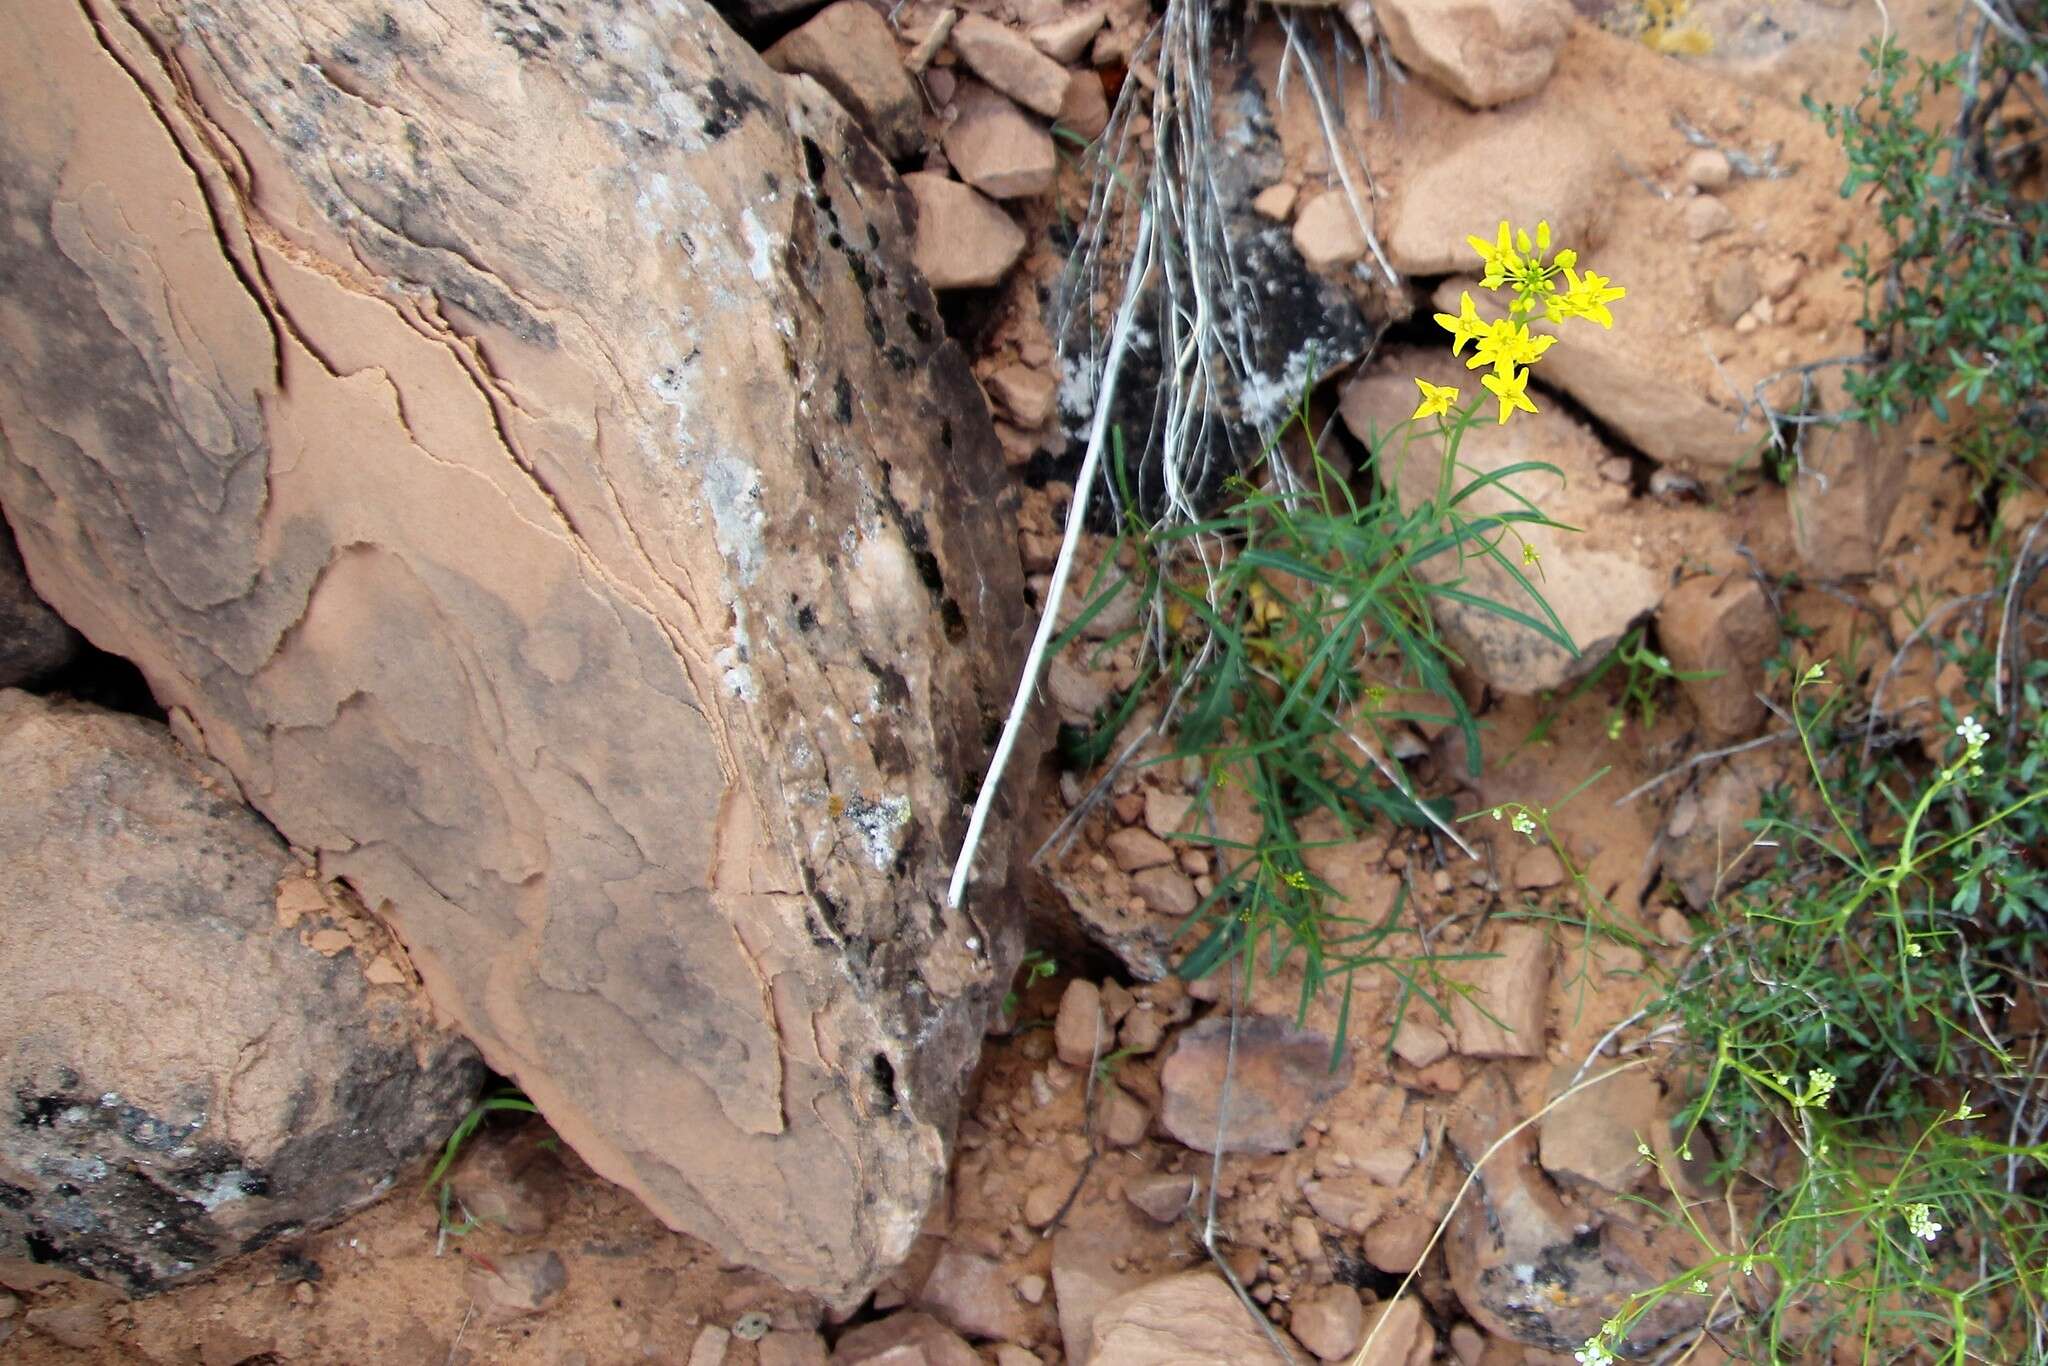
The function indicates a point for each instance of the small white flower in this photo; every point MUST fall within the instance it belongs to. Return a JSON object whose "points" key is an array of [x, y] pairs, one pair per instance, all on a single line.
{"points": [[1913, 949], [1920, 1223], [1699, 1286], [1524, 825], [1642, 1148], [1593, 1354], [1973, 734], [1964, 1112], [1496, 813]]}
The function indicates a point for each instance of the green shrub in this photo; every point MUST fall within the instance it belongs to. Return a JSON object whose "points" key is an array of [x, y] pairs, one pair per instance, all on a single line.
{"points": [[1956, 296]]}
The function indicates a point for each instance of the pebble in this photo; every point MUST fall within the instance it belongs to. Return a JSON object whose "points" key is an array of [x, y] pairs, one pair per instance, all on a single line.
{"points": [[1329, 1322], [1066, 38], [1007, 60], [1042, 1205], [518, 1284], [1133, 849], [1275, 202], [1707, 217], [1326, 232], [1080, 1035], [964, 240], [1537, 868], [1162, 1196], [1124, 1118], [1000, 151], [1709, 169], [784, 1348], [1025, 393], [709, 1348], [1166, 891], [1031, 1288], [972, 1293]]}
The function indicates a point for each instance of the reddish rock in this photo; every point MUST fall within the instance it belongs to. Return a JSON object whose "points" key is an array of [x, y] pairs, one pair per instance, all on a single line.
{"points": [[1503, 1015], [381, 517], [1281, 1078], [1486, 52], [996, 147], [909, 1338], [1329, 1322], [964, 240], [972, 1294], [848, 49], [1080, 1033], [1326, 232], [1191, 1319], [1006, 59], [1724, 627]]}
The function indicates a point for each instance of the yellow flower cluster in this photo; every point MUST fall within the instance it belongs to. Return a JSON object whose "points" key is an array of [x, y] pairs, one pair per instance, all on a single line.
{"points": [[1515, 260]]}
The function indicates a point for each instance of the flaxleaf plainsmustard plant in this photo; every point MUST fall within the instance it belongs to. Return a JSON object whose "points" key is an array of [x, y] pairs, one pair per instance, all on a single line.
{"points": [[1523, 264]]}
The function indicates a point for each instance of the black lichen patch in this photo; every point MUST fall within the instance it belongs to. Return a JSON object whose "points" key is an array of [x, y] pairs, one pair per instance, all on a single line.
{"points": [[729, 107], [842, 398]]}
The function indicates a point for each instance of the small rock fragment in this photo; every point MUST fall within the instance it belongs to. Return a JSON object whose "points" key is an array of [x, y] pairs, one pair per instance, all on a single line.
{"points": [[849, 50], [1538, 867], [1007, 60], [1166, 813], [1396, 1243], [1400, 1328], [963, 241], [519, 1283], [1011, 1355], [1593, 1135], [515, 1185], [81, 1327], [1026, 394], [1734, 290], [1191, 1319], [1708, 169], [1080, 1034], [1084, 109], [1419, 1043], [998, 149], [1282, 1077], [1163, 1196], [1326, 232], [1275, 202], [909, 1338], [1513, 987], [1486, 52], [1166, 891], [972, 1293], [1031, 1289], [1064, 39], [1042, 1205], [1468, 1344], [1351, 1201], [1705, 217], [1134, 848], [709, 1348], [1725, 628], [1781, 276], [1124, 1118], [1330, 1322], [782, 1347]]}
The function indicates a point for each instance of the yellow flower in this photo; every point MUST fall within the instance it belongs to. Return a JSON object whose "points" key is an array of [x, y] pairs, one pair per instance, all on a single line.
{"points": [[1590, 296], [1436, 400], [1506, 345], [1499, 255], [1465, 325], [1512, 391]]}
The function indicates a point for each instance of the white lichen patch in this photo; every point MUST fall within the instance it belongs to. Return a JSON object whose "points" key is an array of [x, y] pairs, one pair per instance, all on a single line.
{"points": [[1267, 399], [732, 490], [760, 246], [878, 826]]}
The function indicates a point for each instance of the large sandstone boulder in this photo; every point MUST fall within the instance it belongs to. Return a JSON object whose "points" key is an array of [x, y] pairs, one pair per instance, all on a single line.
{"points": [[522, 448], [187, 1079]]}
